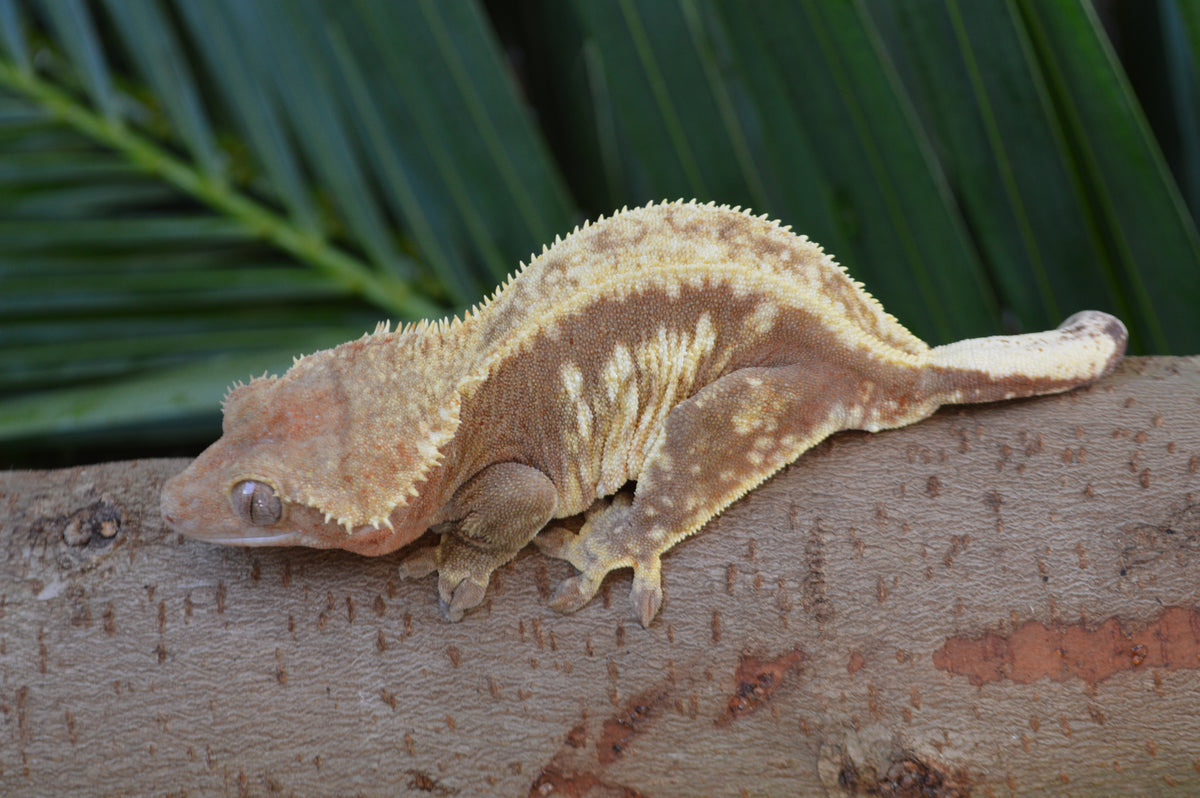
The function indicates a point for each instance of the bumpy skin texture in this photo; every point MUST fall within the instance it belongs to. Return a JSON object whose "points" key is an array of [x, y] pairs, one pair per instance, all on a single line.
{"points": [[693, 349]]}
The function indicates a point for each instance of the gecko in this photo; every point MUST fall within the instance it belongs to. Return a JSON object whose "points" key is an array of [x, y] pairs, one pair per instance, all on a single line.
{"points": [[690, 349]]}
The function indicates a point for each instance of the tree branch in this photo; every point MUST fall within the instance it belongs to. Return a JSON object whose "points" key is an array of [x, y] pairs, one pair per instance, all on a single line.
{"points": [[1001, 598]]}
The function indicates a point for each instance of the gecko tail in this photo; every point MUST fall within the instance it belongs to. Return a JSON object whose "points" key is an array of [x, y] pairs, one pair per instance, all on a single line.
{"points": [[1082, 349]]}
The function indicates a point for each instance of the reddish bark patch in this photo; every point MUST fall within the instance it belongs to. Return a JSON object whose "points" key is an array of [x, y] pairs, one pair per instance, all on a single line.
{"points": [[757, 680], [618, 732], [1074, 651], [577, 736]]}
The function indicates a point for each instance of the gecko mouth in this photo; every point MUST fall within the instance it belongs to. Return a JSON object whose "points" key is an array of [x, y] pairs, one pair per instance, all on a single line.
{"points": [[277, 539], [226, 539], [288, 538]]}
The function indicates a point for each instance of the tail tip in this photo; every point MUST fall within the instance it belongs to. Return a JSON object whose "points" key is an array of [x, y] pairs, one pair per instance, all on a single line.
{"points": [[1097, 325]]}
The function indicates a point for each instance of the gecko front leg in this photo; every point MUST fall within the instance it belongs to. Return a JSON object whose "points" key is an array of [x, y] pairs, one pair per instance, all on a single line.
{"points": [[493, 515]]}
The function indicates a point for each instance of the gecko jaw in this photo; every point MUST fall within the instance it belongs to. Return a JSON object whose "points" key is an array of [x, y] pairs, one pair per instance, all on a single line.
{"points": [[277, 539]]}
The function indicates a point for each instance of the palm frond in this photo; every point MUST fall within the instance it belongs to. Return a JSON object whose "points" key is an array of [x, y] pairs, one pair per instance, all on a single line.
{"points": [[182, 182], [191, 192], [979, 165]]}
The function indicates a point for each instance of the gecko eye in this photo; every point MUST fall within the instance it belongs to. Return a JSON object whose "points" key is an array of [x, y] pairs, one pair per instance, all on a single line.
{"points": [[256, 503]]}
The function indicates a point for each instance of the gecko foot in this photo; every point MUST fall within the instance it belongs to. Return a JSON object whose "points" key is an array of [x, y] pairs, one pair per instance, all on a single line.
{"points": [[555, 542], [462, 586], [586, 549], [591, 552], [463, 570], [573, 593]]}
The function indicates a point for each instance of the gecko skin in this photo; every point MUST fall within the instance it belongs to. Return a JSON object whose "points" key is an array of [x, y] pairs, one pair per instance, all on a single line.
{"points": [[693, 349]]}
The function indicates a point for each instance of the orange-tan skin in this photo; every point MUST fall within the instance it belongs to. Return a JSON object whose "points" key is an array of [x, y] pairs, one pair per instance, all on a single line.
{"points": [[693, 349]]}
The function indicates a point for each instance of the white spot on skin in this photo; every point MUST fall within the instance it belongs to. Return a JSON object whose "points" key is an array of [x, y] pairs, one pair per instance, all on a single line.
{"points": [[618, 372], [571, 378], [744, 423], [753, 418], [617, 411], [672, 360], [762, 319]]}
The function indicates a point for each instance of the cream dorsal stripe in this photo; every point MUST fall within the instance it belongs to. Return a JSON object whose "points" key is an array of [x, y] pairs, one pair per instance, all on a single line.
{"points": [[692, 349]]}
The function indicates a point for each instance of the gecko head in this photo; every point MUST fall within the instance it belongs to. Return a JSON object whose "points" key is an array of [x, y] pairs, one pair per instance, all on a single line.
{"points": [[333, 454]]}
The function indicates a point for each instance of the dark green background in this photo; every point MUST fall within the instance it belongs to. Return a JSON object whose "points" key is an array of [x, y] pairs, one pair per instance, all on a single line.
{"points": [[192, 192]]}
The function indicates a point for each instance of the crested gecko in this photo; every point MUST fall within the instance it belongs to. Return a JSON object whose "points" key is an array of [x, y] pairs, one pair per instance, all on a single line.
{"points": [[692, 349]]}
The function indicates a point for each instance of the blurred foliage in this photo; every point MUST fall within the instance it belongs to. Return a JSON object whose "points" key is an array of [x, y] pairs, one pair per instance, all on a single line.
{"points": [[192, 192]]}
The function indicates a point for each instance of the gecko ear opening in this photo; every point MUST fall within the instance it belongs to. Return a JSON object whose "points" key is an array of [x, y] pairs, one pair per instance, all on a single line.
{"points": [[256, 503]]}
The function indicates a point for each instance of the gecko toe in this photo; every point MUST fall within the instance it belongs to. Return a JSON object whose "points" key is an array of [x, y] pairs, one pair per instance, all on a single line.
{"points": [[555, 542], [646, 594], [573, 593], [468, 595], [420, 564], [446, 585]]}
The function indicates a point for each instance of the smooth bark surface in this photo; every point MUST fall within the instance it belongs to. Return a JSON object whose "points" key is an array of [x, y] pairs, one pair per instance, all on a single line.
{"points": [[999, 600]]}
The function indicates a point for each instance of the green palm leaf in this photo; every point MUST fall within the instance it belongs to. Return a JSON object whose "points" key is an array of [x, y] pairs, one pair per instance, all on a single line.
{"points": [[146, 265], [191, 192]]}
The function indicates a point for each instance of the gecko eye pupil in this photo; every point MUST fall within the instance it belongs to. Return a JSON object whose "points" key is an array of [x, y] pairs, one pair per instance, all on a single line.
{"points": [[256, 503]]}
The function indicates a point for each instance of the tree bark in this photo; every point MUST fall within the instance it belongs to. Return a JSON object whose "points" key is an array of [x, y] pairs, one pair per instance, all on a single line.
{"points": [[999, 600]]}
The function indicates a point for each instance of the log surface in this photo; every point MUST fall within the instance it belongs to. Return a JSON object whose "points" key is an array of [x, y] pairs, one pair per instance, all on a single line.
{"points": [[999, 600]]}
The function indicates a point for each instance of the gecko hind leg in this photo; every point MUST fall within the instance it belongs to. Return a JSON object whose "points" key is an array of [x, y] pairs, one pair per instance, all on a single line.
{"points": [[717, 444]]}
